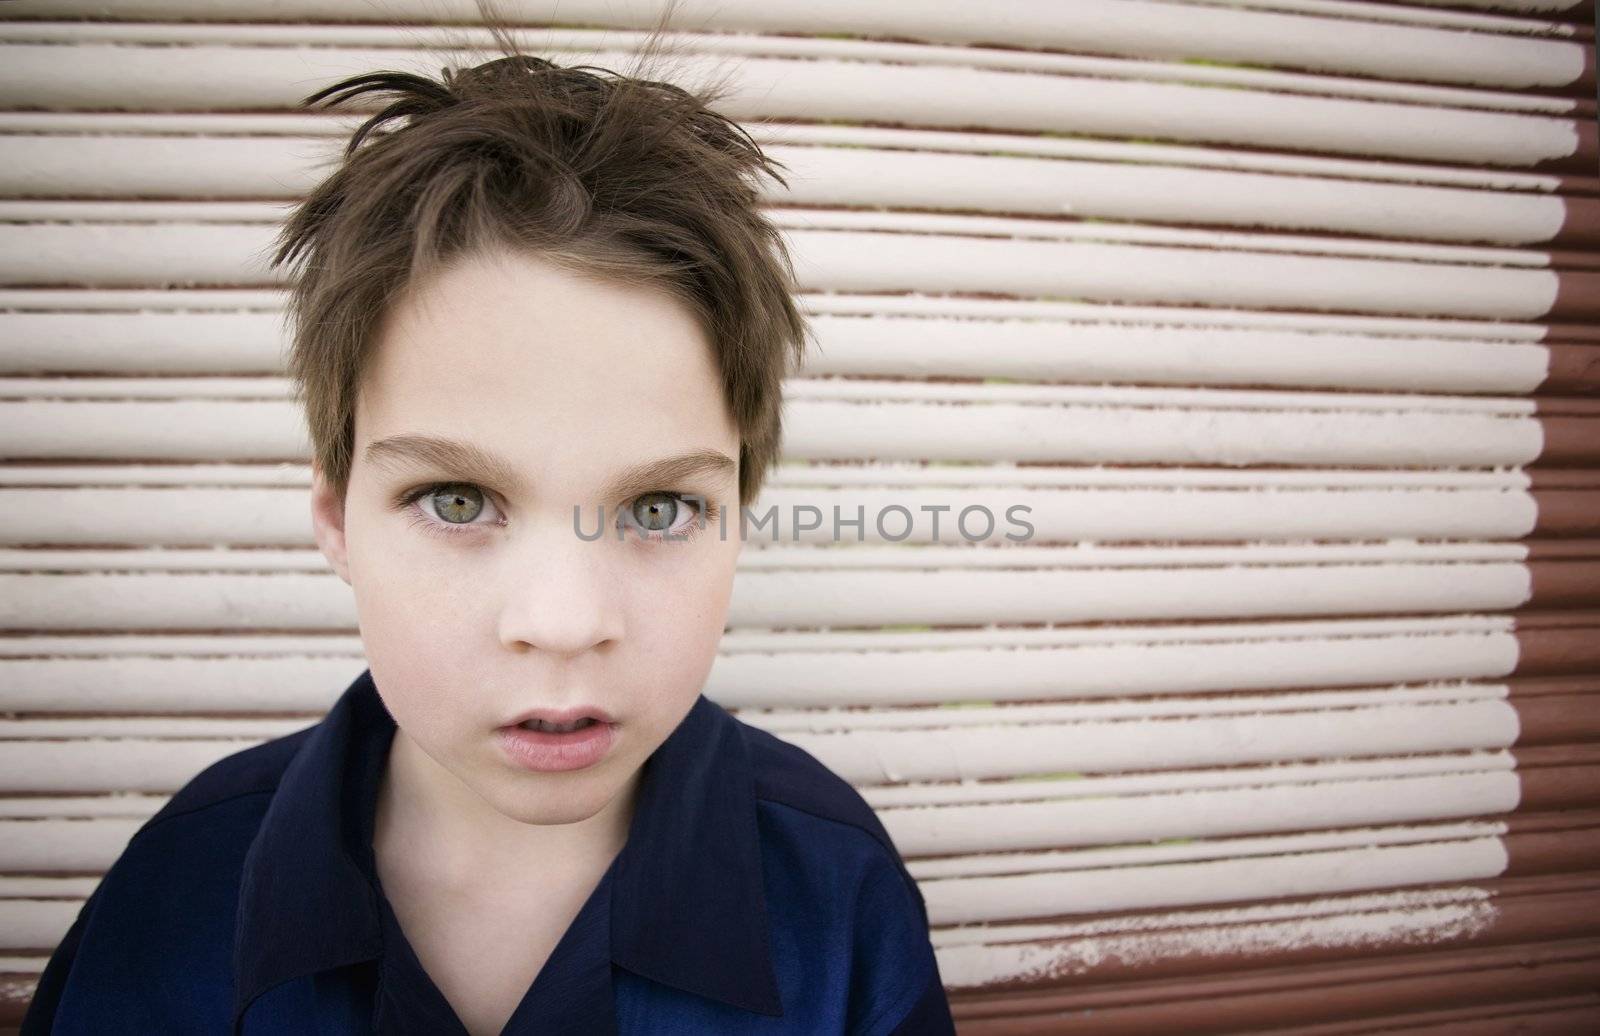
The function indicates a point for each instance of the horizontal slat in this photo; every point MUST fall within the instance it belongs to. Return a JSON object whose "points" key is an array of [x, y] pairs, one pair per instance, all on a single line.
{"points": [[582, 45], [1362, 44], [830, 721], [260, 430], [219, 78], [1014, 828], [288, 167], [62, 516], [325, 124], [271, 300], [887, 799], [790, 473], [243, 342], [142, 764], [234, 674], [818, 598], [965, 900], [770, 553], [128, 254], [1044, 836]]}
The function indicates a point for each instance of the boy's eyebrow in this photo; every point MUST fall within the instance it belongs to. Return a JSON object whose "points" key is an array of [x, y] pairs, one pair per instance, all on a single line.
{"points": [[478, 465]]}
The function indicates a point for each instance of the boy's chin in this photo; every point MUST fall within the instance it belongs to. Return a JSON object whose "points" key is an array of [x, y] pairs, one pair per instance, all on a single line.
{"points": [[538, 799]]}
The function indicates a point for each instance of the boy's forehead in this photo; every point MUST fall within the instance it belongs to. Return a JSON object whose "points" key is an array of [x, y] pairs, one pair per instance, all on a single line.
{"points": [[520, 357]]}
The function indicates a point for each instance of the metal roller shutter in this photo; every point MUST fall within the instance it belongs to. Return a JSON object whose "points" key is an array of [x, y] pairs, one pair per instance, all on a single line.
{"points": [[1283, 316]]}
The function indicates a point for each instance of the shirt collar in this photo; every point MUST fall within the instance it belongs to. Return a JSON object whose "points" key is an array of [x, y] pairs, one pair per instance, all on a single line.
{"points": [[688, 907]]}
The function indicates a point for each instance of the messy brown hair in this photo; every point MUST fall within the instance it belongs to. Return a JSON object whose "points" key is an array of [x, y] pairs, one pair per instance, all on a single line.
{"points": [[615, 176]]}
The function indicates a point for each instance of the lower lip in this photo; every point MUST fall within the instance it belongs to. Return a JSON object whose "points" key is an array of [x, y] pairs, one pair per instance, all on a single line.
{"points": [[548, 752]]}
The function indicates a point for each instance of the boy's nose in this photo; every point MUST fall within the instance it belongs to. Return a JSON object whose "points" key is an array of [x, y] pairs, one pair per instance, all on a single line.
{"points": [[558, 594]]}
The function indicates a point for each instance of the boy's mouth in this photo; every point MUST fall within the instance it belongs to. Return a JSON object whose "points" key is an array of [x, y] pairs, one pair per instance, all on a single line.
{"points": [[574, 741], [559, 721], [557, 728]]}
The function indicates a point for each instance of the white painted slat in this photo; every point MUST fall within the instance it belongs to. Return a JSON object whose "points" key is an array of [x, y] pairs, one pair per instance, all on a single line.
{"points": [[1015, 827], [1413, 922], [1405, 12], [918, 796], [1071, 785], [155, 343], [264, 126], [80, 807], [238, 77], [874, 757], [976, 713], [188, 254], [1186, 850], [815, 598], [181, 299], [1362, 43], [789, 473], [27, 924], [952, 716], [1009, 897], [1199, 920], [579, 45], [42, 846], [195, 517], [287, 167], [31, 924], [800, 219], [855, 390], [218, 673], [270, 430], [770, 554]]}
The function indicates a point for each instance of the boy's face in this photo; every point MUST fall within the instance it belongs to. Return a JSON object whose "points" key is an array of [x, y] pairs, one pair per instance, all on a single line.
{"points": [[478, 601]]}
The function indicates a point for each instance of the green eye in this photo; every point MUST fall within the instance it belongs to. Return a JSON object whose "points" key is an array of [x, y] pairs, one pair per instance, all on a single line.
{"points": [[655, 511], [457, 503]]}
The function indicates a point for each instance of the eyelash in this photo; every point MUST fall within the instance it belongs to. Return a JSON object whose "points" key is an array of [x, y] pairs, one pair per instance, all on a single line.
{"points": [[419, 518]]}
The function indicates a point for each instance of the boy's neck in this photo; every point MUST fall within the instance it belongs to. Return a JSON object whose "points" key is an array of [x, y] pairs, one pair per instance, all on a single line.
{"points": [[430, 825]]}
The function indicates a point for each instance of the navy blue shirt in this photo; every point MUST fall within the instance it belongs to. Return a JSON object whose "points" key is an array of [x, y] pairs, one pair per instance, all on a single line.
{"points": [[756, 893]]}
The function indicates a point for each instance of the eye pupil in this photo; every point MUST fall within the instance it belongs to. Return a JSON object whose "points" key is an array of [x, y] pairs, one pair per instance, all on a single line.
{"points": [[655, 511], [452, 501]]}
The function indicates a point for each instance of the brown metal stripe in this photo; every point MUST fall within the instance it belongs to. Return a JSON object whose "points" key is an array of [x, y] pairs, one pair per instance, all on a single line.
{"points": [[1580, 228], [1563, 331], [1567, 512], [1568, 548], [1307, 993], [1573, 368], [1535, 686], [1564, 584], [1557, 1016], [1558, 719], [1557, 755], [1571, 440], [1561, 478], [1578, 258], [1584, 159], [1557, 787], [1552, 852], [1565, 406], [1578, 292]]}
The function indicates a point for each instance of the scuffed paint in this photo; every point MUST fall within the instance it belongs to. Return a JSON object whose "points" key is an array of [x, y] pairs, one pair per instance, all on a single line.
{"points": [[978, 965]]}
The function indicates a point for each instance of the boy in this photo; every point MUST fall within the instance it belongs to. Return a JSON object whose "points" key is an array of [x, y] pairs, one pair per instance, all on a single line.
{"points": [[550, 293]]}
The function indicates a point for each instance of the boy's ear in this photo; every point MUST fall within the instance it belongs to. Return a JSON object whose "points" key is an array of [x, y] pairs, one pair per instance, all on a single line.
{"points": [[327, 522]]}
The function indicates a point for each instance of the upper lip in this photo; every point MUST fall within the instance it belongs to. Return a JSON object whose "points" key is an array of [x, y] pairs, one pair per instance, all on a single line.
{"points": [[561, 716]]}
